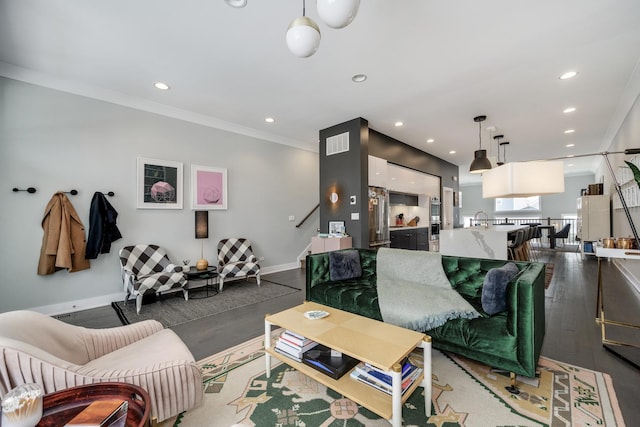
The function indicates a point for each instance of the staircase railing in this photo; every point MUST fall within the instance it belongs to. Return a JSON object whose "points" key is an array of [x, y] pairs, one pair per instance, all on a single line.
{"points": [[308, 215]]}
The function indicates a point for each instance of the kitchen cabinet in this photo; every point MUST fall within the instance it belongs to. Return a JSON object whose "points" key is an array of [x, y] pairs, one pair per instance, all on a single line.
{"points": [[328, 244], [377, 172], [594, 221], [403, 199], [422, 239], [412, 239], [405, 180]]}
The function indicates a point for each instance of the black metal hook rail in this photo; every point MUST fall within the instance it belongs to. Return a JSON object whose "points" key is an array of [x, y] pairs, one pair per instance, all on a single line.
{"points": [[32, 190], [29, 190]]}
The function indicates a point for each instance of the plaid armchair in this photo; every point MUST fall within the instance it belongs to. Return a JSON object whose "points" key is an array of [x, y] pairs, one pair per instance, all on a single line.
{"points": [[236, 261], [146, 268]]}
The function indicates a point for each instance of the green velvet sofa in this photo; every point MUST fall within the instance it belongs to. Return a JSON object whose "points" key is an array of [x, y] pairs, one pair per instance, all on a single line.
{"points": [[510, 340]]}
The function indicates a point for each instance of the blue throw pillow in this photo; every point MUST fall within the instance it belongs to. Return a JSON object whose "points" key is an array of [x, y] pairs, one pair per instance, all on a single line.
{"points": [[344, 265], [494, 290]]}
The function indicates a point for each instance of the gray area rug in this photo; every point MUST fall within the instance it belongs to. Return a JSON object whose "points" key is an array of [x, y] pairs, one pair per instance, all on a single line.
{"points": [[171, 309]]}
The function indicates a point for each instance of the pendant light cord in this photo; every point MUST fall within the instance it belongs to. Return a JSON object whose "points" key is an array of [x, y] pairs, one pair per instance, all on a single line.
{"points": [[303, 7], [480, 133]]}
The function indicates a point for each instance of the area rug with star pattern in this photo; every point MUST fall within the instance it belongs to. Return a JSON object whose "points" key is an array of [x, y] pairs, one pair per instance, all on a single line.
{"points": [[465, 393]]}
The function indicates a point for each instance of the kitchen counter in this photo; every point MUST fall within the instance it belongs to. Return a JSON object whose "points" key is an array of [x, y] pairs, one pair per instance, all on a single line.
{"points": [[406, 227], [478, 242]]}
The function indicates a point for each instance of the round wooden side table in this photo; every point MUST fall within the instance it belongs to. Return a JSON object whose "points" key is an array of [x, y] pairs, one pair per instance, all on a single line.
{"points": [[61, 406]]}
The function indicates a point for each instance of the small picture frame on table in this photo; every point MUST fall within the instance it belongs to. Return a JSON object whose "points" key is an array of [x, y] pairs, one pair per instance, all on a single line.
{"points": [[336, 228]]}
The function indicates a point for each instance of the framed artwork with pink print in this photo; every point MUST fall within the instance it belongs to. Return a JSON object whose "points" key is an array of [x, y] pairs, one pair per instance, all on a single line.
{"points": [[159, 184], [208, 188]]}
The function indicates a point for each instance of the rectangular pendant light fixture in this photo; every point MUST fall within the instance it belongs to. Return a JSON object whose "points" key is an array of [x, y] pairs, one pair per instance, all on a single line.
{"points": [[523, 179]]}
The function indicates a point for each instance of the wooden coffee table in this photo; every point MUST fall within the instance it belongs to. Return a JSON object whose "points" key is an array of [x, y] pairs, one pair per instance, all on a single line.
{"points": [[380, 344]]}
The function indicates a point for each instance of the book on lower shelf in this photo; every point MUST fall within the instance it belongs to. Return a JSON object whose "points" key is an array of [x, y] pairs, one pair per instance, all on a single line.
{"points": [[322, 359], [382, 381], [289, 355], [296, 339], [287, 346], [102, 413]]}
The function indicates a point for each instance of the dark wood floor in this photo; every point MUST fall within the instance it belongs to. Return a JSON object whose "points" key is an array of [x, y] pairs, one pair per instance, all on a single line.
{"points": [[572, 335]]}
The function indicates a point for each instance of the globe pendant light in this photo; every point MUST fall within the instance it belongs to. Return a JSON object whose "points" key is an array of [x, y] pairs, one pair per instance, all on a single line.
{"points": [[303, 36], [236, 3], [480, 161], [338, 13]]}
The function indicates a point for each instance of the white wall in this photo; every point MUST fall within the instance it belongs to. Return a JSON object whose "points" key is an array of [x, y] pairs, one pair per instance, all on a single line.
{"points": [[58, 141], [628, 136]]}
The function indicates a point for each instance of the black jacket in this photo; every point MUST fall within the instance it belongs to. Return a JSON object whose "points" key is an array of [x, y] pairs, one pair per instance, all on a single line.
{"points": [[102, 226]]}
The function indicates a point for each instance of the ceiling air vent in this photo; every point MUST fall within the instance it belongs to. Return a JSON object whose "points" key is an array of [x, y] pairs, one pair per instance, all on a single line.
{"points": [[338, 144]]}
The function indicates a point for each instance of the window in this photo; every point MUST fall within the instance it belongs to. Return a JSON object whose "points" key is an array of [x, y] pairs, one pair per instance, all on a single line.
{"points": [[518, 204]]}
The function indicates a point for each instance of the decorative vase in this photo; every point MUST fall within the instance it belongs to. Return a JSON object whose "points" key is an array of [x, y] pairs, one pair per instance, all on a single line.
{"points": [[202, 264], [22, 406]]}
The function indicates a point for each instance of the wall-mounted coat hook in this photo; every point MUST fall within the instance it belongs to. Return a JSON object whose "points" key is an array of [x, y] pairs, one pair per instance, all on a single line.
{"points": [[110, 194], [72, 192], [30, 190]]}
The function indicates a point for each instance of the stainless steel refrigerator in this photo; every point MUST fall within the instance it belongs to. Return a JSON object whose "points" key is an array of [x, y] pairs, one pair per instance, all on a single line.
{"points": [[378, 217]]}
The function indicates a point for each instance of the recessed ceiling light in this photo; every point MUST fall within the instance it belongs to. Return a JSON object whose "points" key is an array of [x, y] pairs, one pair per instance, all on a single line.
{"points": [[570, 145], [569, 110], [452, 152], [398, 124], [568, 75], [570, 164], [570, 155], [430, 140], [236, 3], [359, 78], [269, 120], [569, 131], [161, 86]]}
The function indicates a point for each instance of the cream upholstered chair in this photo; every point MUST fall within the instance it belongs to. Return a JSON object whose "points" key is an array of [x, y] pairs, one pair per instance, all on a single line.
{"points": [[146, 268], [36, 348], [236, 261]]}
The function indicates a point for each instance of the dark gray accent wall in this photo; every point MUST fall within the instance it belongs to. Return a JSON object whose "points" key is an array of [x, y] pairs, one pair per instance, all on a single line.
{"points": [[348, 174]]}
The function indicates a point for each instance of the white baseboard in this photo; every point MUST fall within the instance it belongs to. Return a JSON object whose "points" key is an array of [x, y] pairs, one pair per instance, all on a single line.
{"points": [[279, 268], [303, 254], [78, 305], [633, 280], [101, 301]]}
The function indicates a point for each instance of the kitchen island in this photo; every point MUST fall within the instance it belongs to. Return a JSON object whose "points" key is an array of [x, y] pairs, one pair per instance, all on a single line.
{"points": [[478, 242]]}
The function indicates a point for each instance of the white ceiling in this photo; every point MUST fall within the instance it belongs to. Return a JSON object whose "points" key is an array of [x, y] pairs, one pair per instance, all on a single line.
{"points": [[433, 65]]}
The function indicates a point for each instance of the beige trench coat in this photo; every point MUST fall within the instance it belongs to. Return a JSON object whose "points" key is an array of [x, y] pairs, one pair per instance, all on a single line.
{"points": [[63, 241]]}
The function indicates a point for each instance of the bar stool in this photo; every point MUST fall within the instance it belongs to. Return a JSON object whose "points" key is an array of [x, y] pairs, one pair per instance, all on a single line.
{"points": [[531, 233], [515, 247]]}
